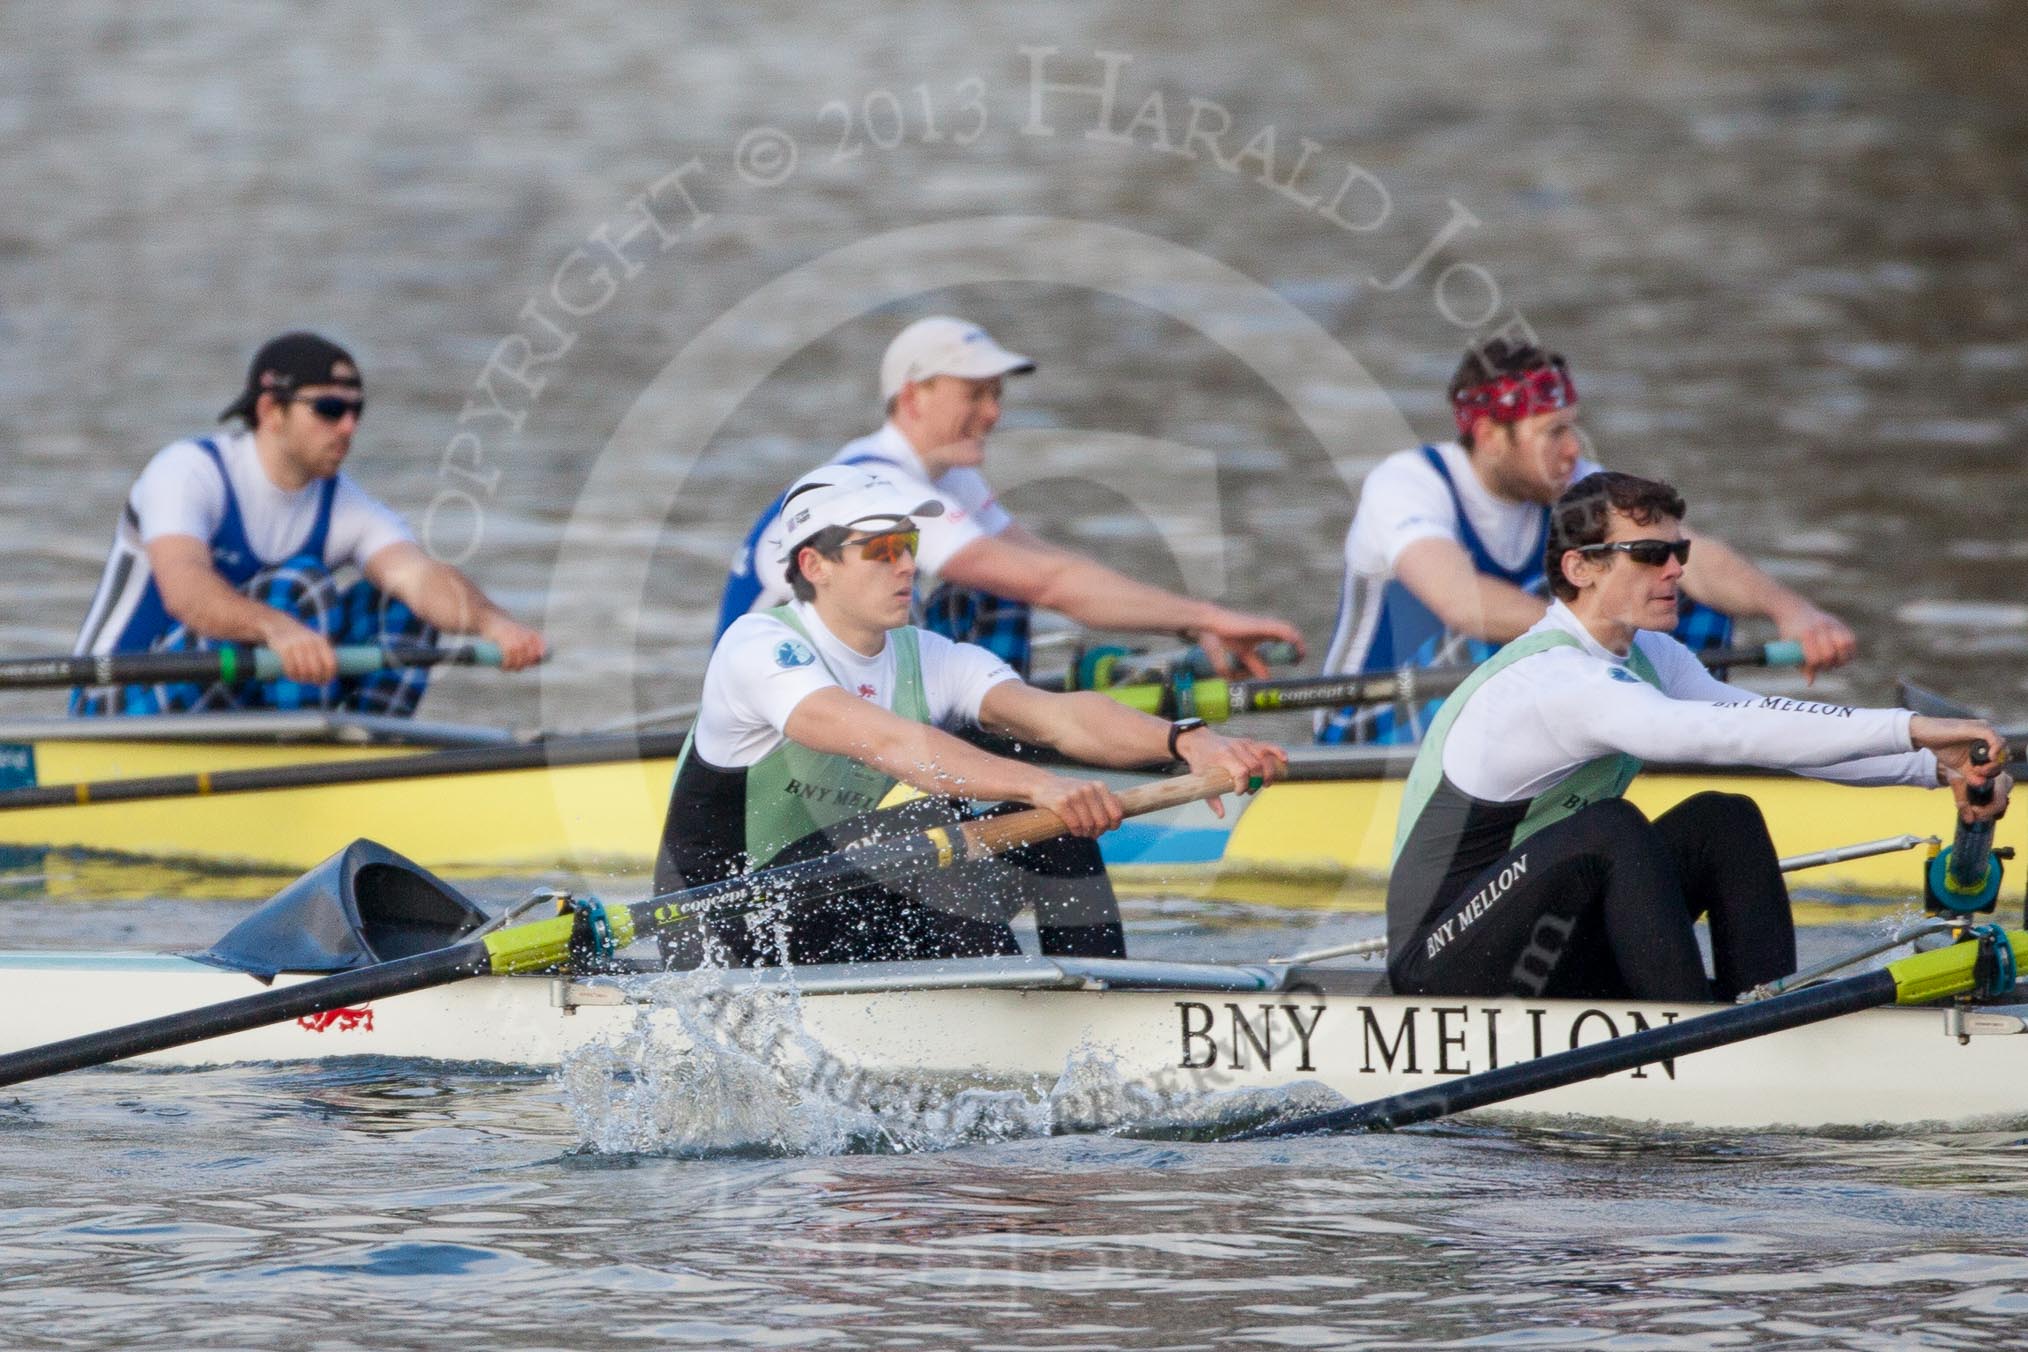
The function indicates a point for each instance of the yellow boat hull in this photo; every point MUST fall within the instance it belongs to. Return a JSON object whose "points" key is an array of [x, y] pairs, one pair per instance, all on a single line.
{"points": [[1312, 836]]}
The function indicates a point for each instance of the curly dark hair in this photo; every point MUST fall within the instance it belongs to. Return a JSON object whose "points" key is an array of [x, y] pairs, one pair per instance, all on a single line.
{"points": [[1583, 516]]}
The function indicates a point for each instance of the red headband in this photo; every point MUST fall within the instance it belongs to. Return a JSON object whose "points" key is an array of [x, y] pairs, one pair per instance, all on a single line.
{"points": [[1511, 398]]}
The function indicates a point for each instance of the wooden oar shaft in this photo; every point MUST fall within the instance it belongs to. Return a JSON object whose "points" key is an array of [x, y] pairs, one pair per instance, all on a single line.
{"points": [[227, 665], [995, 835], [545, 944]]}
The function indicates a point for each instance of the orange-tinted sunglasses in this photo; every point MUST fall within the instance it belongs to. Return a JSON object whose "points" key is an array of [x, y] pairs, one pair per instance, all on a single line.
{"points": [[888, 546]]}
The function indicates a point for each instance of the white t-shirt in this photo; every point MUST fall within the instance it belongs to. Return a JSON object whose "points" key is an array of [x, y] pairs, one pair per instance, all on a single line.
{"points": [[180, 493], [1402, 500], [762, 669], [971, 510], [1530, 725]]}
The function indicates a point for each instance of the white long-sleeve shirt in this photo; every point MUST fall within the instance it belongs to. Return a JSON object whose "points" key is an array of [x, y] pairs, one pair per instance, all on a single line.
{"points": [[1530, 725]]}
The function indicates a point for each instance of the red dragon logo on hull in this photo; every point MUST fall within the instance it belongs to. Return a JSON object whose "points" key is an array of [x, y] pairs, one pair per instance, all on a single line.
{"points": [[342, 1020]]}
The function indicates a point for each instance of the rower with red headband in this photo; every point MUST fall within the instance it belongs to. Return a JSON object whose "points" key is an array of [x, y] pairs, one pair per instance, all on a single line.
{"points": [[1443, 561]]}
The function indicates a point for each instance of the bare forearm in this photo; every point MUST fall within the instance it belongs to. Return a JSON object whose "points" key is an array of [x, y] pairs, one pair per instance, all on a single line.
{"points": [[1087, 727], [1441, 575], [934, 761], [1104, 598], [1495, 612], [208, 606], [445, 598], [1722, 578]]}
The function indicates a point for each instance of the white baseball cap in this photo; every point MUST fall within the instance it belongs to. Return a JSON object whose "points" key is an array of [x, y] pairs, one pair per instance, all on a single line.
{"points": [[839, 495], [942, 346]]}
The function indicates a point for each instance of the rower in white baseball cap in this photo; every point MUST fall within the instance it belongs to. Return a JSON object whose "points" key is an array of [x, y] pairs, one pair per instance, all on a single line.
{"points": [[813, 711], [942, 346], [843, 498], [941, 381]]}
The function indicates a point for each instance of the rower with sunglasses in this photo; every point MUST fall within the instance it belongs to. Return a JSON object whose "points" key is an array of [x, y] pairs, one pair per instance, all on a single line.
{"points": [[1443, 560], [1520, 870], [238, 537], [813, 710]]}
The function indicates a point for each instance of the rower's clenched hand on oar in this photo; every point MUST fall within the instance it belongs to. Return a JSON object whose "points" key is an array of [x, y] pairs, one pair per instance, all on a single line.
{"points": [[1231, 640], [1827, 641], [1087, 806], [1952, 739], [1252, 765]]}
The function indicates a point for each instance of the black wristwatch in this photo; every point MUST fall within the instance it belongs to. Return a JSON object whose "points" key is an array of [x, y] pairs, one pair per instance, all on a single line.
{"points": [[1176, 731]]}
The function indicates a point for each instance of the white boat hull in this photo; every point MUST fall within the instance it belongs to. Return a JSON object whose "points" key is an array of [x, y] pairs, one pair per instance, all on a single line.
{"points": [[1206, 1031]]}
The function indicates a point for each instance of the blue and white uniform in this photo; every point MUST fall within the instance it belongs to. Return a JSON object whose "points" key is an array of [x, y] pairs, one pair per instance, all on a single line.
{"points": [[214, 489], [972, 511], [1428, 493]]}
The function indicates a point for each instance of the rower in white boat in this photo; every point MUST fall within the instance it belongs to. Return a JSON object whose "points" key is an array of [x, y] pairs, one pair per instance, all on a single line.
{"points": [[812, 711], [1520, 870]]}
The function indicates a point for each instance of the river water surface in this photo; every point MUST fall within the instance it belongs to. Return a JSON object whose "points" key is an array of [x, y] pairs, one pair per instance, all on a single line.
{"points": [[616, 273]]}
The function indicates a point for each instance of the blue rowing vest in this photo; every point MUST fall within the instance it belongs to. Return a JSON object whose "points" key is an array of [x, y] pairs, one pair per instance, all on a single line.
{"points": [[152, 627], [743, 584], [1409, 634]]}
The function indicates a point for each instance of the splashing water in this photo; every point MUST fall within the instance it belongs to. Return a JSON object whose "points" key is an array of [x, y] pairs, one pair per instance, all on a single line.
{"points": [[711, 1067]]}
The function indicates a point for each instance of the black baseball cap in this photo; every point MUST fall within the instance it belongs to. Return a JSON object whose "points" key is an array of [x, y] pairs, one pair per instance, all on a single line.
{"points": [[286, 364]]}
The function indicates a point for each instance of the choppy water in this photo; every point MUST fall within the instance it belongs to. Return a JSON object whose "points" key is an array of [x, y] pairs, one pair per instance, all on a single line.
{"points": [[1782, 244], [378, 1204]]}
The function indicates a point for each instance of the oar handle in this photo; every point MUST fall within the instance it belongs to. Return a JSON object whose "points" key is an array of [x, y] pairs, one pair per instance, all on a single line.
{"points": [[1970, 862], [1781, 652], [363, 659], [996, 835]]}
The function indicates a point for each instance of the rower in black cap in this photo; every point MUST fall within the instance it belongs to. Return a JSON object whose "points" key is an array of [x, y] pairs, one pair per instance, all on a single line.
{"points": [[242, 536]]}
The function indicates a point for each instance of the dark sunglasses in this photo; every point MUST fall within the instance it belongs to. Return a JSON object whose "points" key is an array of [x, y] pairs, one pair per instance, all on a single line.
{"points": [[332, 407], [1653, 553]]}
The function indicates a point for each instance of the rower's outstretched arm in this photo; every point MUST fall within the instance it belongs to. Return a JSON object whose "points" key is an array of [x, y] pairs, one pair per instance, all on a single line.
{"points": [[930, 759], [195, 594], [1016, 564], [1089, 727], [446, 598], [1441, 575], [1724, 579]]}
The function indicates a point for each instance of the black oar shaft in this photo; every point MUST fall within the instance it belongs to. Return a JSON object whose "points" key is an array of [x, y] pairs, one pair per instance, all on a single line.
{"points": [[533, 947], [253, 1011], [1810, 1005], [1216, 700], [545, 944], [561, 752], [226, 665]]}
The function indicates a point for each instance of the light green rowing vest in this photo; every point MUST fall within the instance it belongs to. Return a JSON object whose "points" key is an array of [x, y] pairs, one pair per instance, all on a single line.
{"points": [[1594, 781], [793, 790]]}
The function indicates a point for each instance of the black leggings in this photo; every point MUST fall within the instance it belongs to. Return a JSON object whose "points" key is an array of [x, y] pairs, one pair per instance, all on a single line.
{"points": [[960, 912], [1604, 904]]}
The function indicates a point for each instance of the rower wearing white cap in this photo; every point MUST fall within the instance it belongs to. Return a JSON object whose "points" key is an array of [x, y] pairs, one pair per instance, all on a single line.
{"points": [[813, 710], [941, 380]]}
